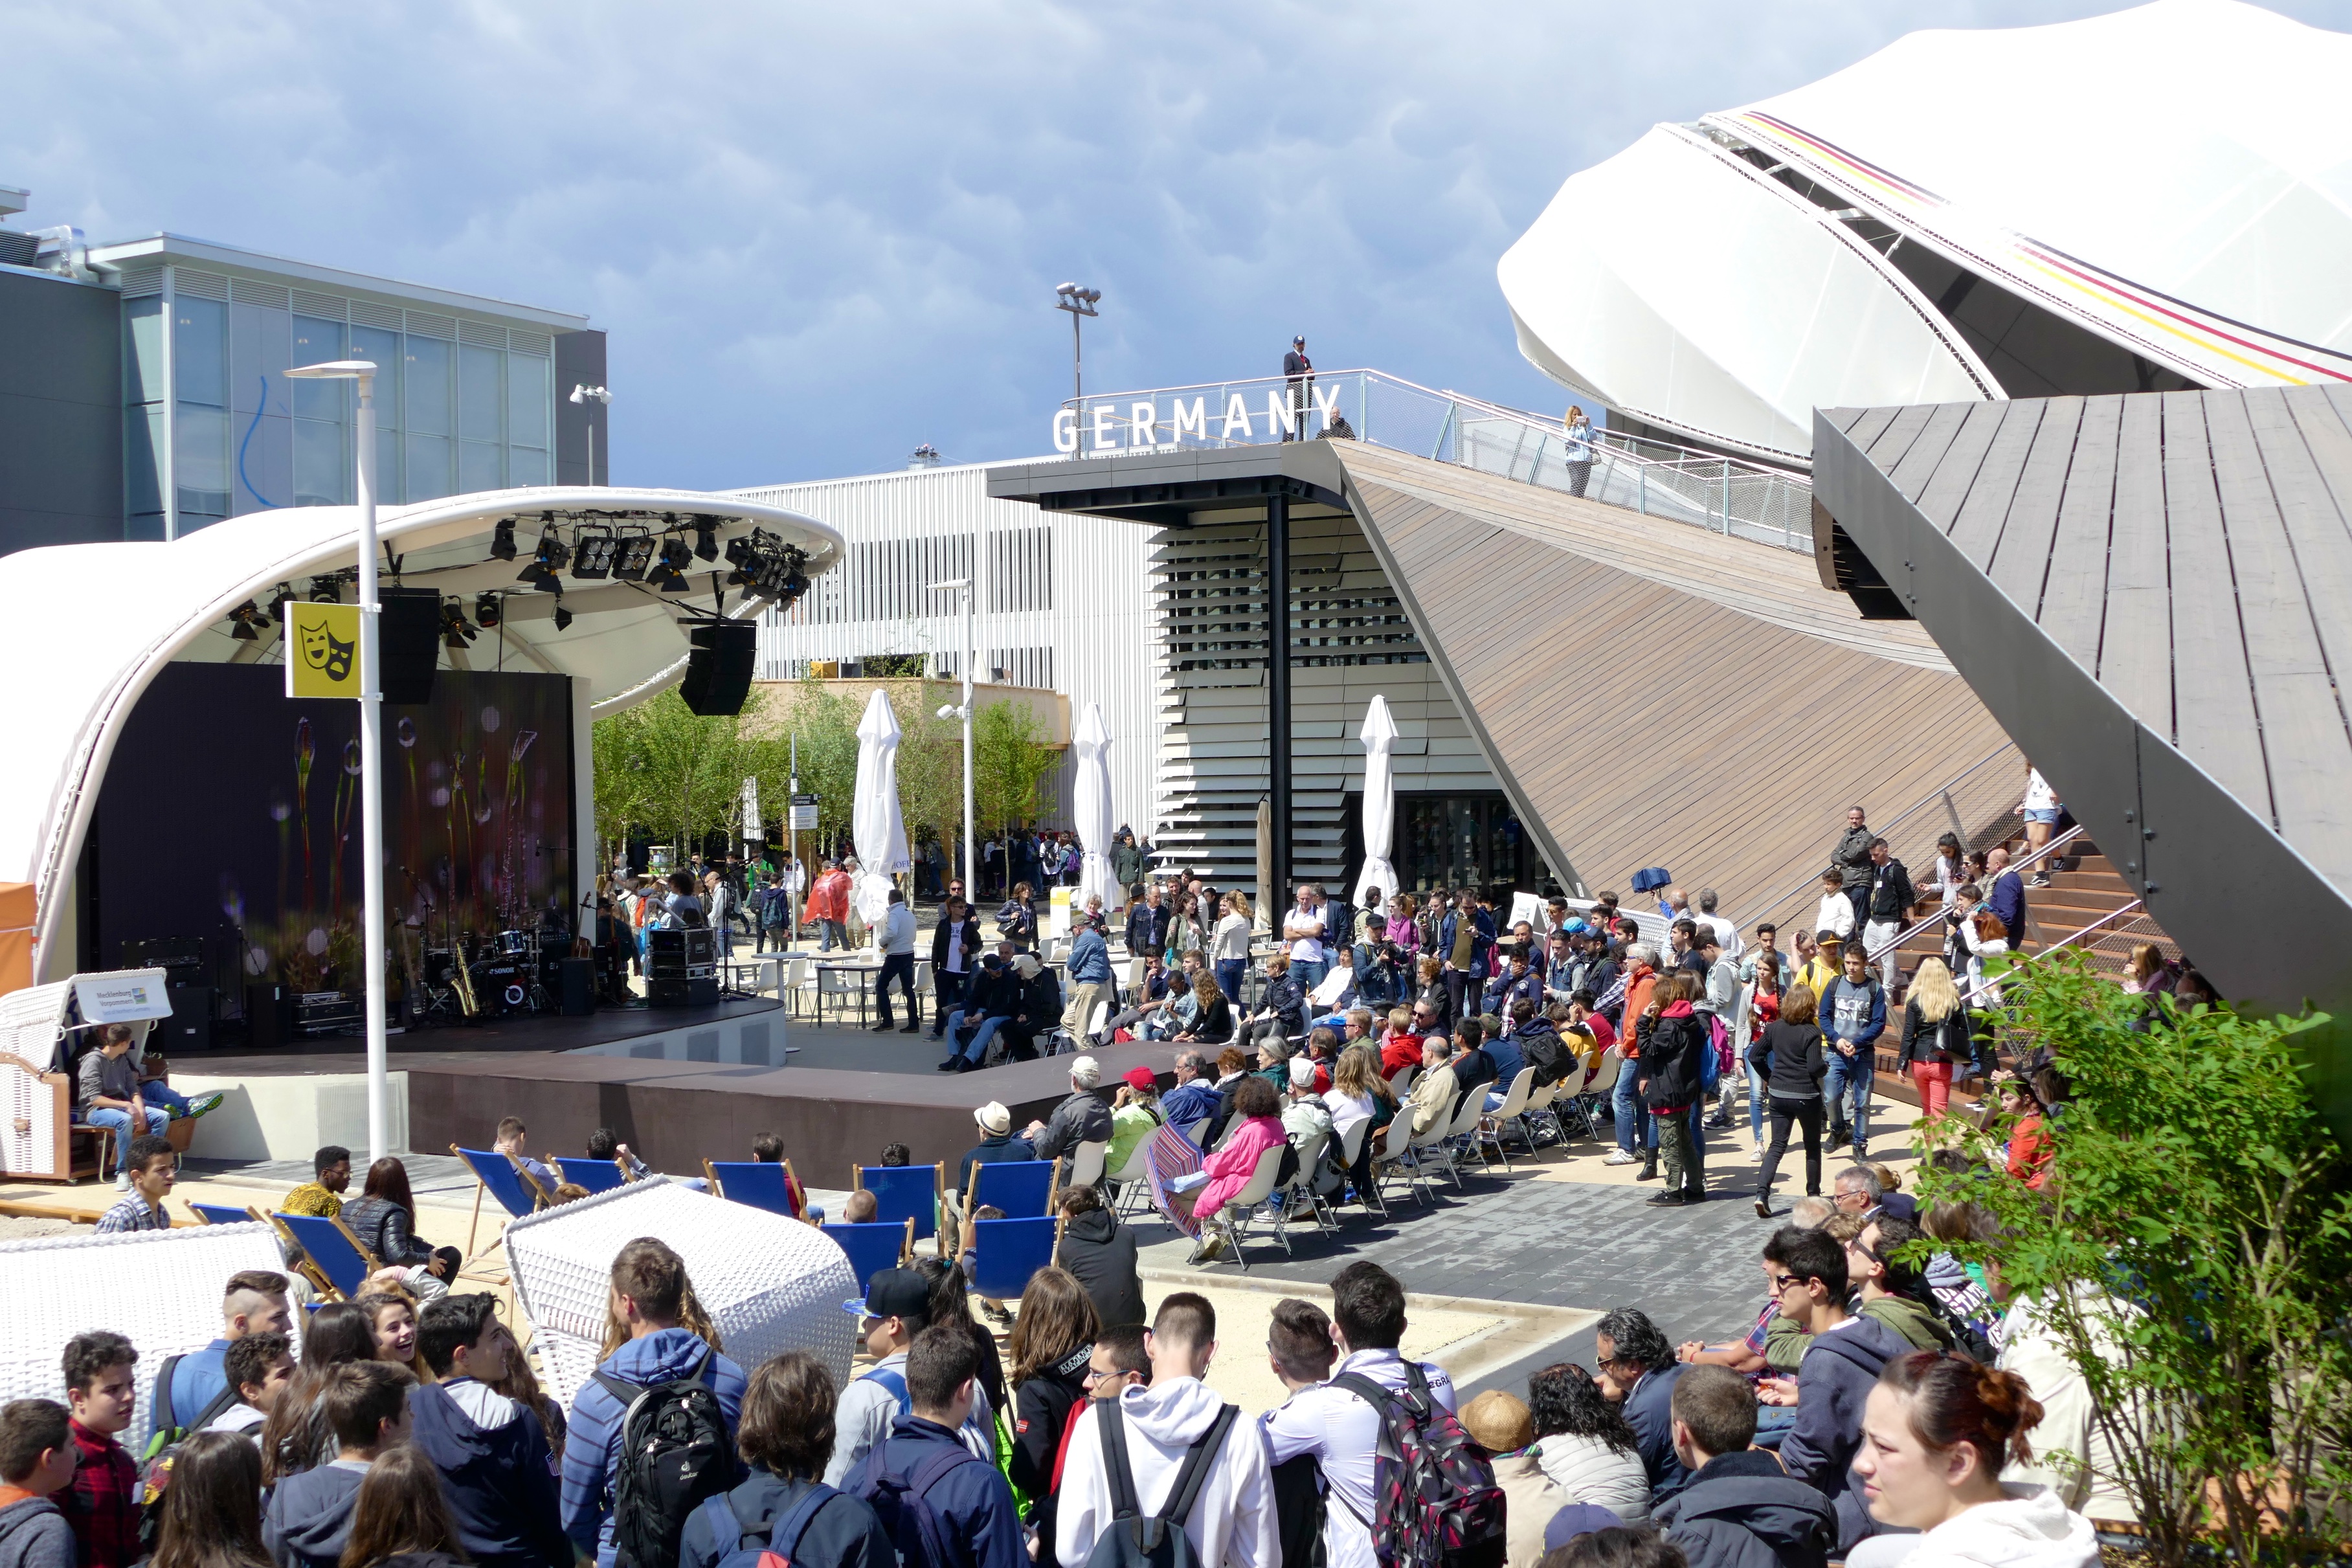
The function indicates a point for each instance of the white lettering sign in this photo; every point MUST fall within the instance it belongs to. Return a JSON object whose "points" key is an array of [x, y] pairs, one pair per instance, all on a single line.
{"points": [[1279, 411], [1194, 419], [1142, 425], [1236, 412], [1065, 430]]}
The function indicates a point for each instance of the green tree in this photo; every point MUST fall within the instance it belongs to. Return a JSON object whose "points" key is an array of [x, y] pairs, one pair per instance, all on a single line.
{"points": [[2192, 1249], [1010, 760], [673, 773]]}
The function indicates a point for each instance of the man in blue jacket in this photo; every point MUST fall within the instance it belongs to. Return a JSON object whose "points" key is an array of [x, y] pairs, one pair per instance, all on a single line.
{"points": [[491, 1452], [1843, 1356], [1147, 921], [1089, 971], [1194, 1095], [978, 1525], [254, 1303], [1853, 1016], [1638, 1370], [650, 1285]]}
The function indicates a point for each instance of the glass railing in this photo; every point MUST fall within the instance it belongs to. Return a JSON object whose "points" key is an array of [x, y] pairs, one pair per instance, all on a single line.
{"points": [[1657, 478]]}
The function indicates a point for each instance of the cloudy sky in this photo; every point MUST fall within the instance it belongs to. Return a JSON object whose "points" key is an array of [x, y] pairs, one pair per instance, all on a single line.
{"points": [[820, 234]]}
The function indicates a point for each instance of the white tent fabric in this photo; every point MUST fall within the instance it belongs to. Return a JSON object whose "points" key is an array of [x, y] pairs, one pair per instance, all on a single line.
{"points": [[874, 821], [161, 1287], [1092, 809], [170, 602], [770, 1284], [1379, 736]]}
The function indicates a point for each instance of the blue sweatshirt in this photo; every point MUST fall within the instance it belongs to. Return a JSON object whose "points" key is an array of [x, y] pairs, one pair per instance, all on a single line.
{"points": [[592, 1443], [496, 1471], [310, 1515]]}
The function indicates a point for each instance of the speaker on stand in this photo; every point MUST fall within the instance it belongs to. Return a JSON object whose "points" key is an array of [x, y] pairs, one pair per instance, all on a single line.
{"points": [[408, 639], [719, 661]]}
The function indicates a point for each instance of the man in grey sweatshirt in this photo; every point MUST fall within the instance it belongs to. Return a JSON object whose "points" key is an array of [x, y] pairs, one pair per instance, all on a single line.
{"points": [[37, 1458]]}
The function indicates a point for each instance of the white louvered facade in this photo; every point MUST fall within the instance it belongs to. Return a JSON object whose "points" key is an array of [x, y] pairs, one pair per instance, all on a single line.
{"points": [[1350, 640], [1064, 602]]}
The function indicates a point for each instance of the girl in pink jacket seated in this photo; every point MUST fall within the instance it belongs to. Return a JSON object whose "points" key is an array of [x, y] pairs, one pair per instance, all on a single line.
{"points": [[1229, 1170]]}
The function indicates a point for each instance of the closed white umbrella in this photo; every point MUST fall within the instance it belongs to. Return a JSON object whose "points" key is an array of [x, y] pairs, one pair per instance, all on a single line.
{"points": [[873, 819], [1092, 739], [1378, 735]]}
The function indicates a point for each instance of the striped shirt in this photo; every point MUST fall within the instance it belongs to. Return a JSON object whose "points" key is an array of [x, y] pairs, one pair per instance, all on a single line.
{"points": [[133, 1213]]}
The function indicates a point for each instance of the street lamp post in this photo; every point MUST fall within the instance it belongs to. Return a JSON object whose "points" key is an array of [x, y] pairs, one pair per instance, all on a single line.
{"points": [[1079, 303], [584, 396], [964, 585], [371, 748]]}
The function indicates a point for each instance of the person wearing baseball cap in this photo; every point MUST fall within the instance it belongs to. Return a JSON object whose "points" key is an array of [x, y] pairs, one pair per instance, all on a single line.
{"points": [[996, 1142], [1135, 1116], [897, 1308], [1299, 372]]}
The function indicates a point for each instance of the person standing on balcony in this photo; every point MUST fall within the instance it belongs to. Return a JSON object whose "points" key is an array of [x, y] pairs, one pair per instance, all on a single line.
{"points": [[1579, 450], [2040, 808], [1299, 372]]}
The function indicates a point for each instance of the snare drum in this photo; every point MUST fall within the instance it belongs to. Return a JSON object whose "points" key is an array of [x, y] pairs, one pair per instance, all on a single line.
{"points": [[514, 944]]}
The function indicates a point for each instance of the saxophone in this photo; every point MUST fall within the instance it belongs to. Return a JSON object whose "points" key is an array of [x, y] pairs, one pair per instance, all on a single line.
{"points": [[466, 1002]]}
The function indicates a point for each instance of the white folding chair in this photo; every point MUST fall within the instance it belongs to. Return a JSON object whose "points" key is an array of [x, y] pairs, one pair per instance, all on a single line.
{"points": [[1133, 1180], [840, 983], [1302, 1184], [1198, 1132], [1462, 1137], [1602, 1081], [799, 980], [1351, 1149], [1402, 1083], [1431, 1145], [1235, 1221], [1538, 1110], [1388, 1159], [1513, 1108], [1087, 1162]]}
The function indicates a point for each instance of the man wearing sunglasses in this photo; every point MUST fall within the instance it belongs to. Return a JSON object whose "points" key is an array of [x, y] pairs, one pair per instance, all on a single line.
{"points": [[1843, 1361]]}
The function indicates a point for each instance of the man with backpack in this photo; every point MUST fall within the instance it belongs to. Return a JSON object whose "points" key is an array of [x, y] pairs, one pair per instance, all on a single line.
{"points": [[192, 1390], [491, 1451], [1386, 1512], [941, 1505], [782, 1507], [898, 1308], [1171, 1452], [672, 1398]]}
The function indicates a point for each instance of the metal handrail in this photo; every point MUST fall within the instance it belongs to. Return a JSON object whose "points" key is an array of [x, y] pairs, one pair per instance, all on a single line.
{"points": [[1941, 793], [2028, 960], [1899, 938]]}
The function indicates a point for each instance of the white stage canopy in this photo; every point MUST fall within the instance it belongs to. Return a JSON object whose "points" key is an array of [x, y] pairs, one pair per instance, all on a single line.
{"points": [[98, 621]]}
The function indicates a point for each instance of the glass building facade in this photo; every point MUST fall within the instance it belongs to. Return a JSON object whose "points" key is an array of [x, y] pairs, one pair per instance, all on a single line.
{"points": [[213, 429]]}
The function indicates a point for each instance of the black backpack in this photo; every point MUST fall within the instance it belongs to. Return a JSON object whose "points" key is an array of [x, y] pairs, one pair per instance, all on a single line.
{"points": [[675, 1453], [1434, 1500], [1131, 1539]]}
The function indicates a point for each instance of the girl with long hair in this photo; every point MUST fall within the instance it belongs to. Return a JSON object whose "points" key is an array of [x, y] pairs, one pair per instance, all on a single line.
{"points": [[1358, 1093], [649, 1262], [1229, 947], [951, 1304], [1935, 1035], [1212, 1017], [401, 1516], [1988, 939], [384, 1219], [295, 1436], [1050, 1344], [1584, 1444], [393, 1317], [212, 1510]]}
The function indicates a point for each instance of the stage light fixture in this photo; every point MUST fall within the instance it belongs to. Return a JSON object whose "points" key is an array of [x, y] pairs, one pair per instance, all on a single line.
{"points": [[245, 622], [563, 619], [631, 557], [502, 541], [706, 538], [326, 591], [455, 632], [487, 611], [591, 553], [278, 602], [669, 576]]}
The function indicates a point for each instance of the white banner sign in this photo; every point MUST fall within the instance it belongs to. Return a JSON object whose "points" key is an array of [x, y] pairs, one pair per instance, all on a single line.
{"points": [[121, 996], [1141, 425]]}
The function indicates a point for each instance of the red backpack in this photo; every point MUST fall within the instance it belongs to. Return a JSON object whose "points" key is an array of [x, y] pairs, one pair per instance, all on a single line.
{"points": [[1434, 1500]]}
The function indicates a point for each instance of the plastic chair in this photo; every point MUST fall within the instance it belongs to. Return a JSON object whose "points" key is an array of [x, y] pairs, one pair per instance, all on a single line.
{"points": [[1198, 1132], [799, 978], [341, 1257], [1302, 1184], [871, 1248], [1388, 1160], [1022, 1188], [838, 982], [1007, 1253], [1597, 1086], [905, 1193], [755, 1184], [1513, 1109], [1087, 1162], [517, 1190], [1402, 1083], [596, 1175], [1351, 1149], [1463, 1134], [1133, 1178], [221, 1213], [1431, 1145], [1244, 1203]]}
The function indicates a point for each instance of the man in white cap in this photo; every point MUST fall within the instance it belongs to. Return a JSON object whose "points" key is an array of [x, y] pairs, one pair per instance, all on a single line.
{"points": [[1083, 1118], [996, 1142]]}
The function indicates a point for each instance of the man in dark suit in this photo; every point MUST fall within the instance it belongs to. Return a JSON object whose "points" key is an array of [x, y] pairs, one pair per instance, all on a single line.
{"points": [[1299, 372], [1147, 923], [2006, 898], [1638, 1370]]}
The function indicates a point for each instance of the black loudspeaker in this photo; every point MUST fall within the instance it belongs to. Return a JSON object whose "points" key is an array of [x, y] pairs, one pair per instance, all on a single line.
{"points": [[268, 1014], [682, 993], [718, 667], [409, 638], [190, 1027], [579, 987]]}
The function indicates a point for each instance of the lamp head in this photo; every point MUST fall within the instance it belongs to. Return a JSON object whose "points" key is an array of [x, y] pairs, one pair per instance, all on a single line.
{"points": [[335, 370], [952, 585]]}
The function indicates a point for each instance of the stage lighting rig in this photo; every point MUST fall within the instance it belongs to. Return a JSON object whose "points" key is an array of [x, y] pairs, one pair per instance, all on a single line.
{"points": [[247, 621], [592, 549], [563, 618], [550, 559], [486, 610], [278, 602], [669, 576], [327, 590], [631, 556], [455, 631], [706, 538], [502, 541]]}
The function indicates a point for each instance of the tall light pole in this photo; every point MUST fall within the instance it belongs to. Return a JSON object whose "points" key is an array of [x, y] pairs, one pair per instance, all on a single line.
{"points": [[1079, 303], [584, 396], [964, 585], [371, 747]]}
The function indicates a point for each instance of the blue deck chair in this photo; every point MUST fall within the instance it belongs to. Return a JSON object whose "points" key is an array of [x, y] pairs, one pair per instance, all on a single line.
{"points": [[221, 1213], [872, 1248], [336, 1254], [517, 1190], [1005, 1253], [596, 1175], [754, 1182], [1020, 1187], [904, 1192]]}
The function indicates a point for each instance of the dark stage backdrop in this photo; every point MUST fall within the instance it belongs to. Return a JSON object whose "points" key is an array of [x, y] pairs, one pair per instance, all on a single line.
{"points": [[231, 812]]}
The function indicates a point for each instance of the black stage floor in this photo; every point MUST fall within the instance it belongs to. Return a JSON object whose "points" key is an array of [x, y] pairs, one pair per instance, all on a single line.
{"points": [[543, 1033]]}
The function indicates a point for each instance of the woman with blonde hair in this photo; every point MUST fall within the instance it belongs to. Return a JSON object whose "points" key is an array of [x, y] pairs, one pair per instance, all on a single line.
{"points": [[1935, 1035], [1212, 1018], [1358, 1093], [1229, 948]]}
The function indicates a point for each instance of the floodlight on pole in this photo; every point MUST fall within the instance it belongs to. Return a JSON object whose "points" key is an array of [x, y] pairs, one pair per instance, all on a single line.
{"points": [[584, 396], [1079, 303], [371, 749], [963, 585]]}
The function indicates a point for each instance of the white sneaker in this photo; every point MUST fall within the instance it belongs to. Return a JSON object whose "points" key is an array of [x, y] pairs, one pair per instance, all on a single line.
{"points": [[121, 1181], [1621, 1157]]}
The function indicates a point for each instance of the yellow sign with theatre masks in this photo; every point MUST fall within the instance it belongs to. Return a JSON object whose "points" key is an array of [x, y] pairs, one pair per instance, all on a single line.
{"points": [[322, 649]]}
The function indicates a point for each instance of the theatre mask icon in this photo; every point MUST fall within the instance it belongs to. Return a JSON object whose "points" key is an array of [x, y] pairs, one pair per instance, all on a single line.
{"points": [[323, 650]]}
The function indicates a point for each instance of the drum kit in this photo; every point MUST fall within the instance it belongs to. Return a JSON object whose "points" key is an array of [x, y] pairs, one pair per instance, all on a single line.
{"points": [[499, 975]]}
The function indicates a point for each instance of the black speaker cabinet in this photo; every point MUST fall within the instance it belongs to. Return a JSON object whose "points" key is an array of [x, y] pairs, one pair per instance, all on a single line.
{"points": [[190, 1027], [408, 637], [682, 993], [578, 987], [268, 1014], [719, 664]]}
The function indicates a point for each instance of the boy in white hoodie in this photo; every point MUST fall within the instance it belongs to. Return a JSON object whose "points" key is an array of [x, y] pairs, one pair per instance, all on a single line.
{"points": [[1231, 1523]]}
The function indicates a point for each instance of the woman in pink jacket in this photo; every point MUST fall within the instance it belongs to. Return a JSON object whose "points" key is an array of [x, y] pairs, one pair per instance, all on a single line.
{"points": [[1231, 1167]]}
